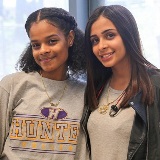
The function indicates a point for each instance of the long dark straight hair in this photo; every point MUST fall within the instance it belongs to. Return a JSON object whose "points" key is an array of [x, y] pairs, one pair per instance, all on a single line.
{"points": [[98, 75]]}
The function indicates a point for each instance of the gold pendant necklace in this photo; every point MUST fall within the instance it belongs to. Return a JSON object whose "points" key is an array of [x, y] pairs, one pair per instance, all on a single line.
{"points": [[53, 112], [49, 98], [103, 108]]}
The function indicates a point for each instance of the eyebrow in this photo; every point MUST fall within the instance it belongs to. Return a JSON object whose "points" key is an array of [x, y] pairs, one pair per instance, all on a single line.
{"points": [[53, 35], [103, 32]]}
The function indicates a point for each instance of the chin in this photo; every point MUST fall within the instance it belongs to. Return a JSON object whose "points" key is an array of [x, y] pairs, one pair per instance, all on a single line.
{"points": [[107, 65], [47, 69]]}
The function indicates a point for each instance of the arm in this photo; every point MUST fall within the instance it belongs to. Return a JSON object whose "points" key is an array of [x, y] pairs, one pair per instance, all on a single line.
{"points": [[4, 116]]}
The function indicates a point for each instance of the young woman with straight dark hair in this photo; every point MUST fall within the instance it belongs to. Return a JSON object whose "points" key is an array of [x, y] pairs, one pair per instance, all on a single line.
{"points": [[122, 109]]}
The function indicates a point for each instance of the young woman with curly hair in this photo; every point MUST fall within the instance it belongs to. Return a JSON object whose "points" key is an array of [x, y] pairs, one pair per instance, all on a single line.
{"points": [[41, 106]]}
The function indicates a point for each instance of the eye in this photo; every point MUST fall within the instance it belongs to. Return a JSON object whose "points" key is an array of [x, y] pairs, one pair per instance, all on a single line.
{"points": [[35, 46], [110, 35], [94, 41], [52, 41]]}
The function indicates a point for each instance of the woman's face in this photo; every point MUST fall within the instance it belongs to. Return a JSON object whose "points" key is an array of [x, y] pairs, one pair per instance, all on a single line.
{"points": [[50, 49], [107, 44]]}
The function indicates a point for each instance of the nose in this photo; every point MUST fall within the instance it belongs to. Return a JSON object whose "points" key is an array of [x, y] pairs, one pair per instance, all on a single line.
{"points": [[44, 49], [102, 45]]}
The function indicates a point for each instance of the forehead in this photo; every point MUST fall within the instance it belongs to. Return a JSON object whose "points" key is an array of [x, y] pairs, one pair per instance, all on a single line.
{"points": [[101, 24], [43, 27]]}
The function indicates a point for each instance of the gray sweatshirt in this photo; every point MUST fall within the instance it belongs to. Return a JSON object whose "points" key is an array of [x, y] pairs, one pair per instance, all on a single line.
{"points": [[30, 129]]}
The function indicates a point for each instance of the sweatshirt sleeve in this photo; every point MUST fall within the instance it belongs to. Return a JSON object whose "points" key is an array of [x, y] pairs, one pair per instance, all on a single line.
{"points": [[4, 116]]}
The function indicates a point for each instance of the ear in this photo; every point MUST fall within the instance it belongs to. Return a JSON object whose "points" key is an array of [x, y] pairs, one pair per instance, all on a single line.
{"points": [[71, 38]]}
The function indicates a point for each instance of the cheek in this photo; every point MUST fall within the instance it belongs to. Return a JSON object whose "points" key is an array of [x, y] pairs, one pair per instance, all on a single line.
{"points": [[62, 54], [66, 56], [35, 55], [95, 51], [122, 49], [120, 45]]}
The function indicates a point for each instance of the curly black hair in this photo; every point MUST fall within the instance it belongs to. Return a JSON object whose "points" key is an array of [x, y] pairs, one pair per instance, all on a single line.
{"points": [[65, 22]]}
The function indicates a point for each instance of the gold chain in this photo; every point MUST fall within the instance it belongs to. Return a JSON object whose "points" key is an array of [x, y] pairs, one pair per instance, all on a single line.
{"points": [[103, 108], [50, 100]]}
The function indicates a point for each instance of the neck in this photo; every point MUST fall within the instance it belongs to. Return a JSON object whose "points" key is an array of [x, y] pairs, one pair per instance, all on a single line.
{"points": [[120, 78], [61, 76]]}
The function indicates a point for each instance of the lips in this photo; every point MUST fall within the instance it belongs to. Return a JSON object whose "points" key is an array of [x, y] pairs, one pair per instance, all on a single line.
{"points": [[106, 56], [46, 59]]}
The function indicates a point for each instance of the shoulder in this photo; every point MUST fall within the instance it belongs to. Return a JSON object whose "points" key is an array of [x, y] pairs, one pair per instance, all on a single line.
{"points": [[13, 75], [16, 78], [155, 77], [8, 79]]}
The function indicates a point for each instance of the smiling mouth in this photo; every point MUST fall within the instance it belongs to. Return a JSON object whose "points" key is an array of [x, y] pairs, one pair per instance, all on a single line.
{"points": [[107, 55], [46, 59]]}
